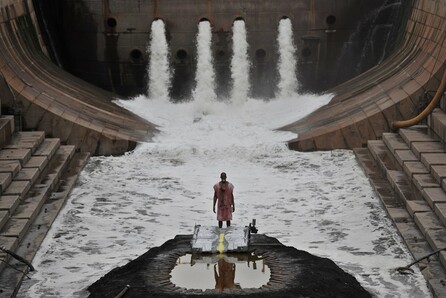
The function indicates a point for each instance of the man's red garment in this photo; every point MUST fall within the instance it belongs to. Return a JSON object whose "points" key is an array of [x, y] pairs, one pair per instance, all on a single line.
{"points": [[224, 193]]}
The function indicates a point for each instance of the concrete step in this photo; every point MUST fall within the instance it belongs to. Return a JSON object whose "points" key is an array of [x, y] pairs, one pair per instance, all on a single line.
{"points": [[52, 207], [437, 122], [6, 129], [48, 148], [422, 181], [433, 196], [40, 192], [10, 243], [377, 179], [4, 217], [394, 142], [433, 146], [19, 188], [416, 133], [382, 156], [20, 224], [392, 171], [21, 155], [27, 174], [26, 194], [433, 159], [16, 181], [420, 139], [70, 176], [439, 173], [413, 168], [58, 163], [26, 140], [434, 231], [403, 218], [427, 183], [45, 218], [429, 151], [10, 166], [5, 181], [404, 155], [440, 211], [32, 204], [403, 187], [39, 162], [15, 227]]}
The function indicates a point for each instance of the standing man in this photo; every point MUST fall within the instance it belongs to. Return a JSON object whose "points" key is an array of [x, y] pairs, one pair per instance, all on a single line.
{"points": [[223, 194]]}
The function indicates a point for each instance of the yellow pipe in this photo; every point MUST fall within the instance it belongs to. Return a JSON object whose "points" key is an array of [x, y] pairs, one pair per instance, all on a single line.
{"points": [[440, 91]]}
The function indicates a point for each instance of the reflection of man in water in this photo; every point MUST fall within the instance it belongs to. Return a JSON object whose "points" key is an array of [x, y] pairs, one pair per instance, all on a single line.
{"points": [[224, 278], [223, 194]]}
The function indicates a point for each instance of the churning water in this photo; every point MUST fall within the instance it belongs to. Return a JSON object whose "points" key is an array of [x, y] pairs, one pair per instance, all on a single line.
{"points": [[320, 202]]}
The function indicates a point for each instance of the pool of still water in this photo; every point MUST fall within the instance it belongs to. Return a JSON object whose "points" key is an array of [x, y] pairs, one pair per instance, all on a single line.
{"points": [[220, 271]]}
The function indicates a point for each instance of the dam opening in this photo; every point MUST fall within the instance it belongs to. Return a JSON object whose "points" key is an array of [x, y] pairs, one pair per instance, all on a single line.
{"points": [[106, 45], [160, 74]]}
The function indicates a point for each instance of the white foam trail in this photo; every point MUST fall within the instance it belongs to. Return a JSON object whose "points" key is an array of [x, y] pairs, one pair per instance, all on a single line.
{"points": [[239, 63], [159, 72], [205, 75], [287, 60]]}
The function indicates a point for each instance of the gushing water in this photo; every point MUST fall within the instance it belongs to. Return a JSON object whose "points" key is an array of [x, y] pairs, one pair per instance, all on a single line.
{"points": [[287, 60], [159, 71], [239, 63], [205, 76]]}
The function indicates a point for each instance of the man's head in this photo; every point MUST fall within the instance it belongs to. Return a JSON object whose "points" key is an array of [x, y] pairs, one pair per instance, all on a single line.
{"points": [[223, 176]]}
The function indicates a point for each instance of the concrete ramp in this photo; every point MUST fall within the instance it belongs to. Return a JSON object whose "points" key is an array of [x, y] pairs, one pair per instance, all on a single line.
{"points": [[364, 107], [48, 98]]}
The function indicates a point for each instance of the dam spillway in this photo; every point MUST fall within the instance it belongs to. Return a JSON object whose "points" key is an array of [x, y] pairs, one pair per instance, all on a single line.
{"points": [[44, 94]]}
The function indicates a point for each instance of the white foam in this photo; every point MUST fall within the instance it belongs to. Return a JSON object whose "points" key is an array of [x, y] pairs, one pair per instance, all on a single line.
{"points": [[320, 202]]}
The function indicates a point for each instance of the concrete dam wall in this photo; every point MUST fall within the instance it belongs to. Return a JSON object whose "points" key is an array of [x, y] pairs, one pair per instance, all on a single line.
{"points": [[61, 63], [104, 42]]}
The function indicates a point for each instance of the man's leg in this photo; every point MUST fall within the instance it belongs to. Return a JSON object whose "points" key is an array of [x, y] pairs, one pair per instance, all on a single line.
{"points": [[228, 223], [220, 224]]}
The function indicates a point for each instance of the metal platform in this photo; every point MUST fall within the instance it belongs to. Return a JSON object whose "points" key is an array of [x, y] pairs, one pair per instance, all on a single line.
{"points": [[220, 240]]}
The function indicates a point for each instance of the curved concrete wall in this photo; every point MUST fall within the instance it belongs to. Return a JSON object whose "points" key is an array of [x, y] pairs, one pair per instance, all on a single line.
{"points": [[364, 107], [49, 99], [52, 100]]}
